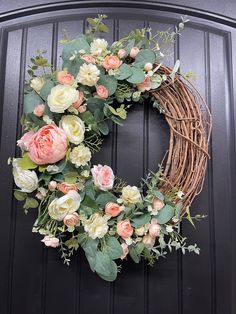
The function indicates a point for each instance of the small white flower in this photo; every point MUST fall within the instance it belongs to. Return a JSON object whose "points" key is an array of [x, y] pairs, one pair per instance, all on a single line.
{"points": [[130, 195], [85, 173], [119, 201], [37, 84], [88, 74], [52, 168], [128, 241], [26, 180], [96, 225], [80, 156], [9, 160], [180, 195], [98, 46], [169, 228], [47, 119], [74, 128]]}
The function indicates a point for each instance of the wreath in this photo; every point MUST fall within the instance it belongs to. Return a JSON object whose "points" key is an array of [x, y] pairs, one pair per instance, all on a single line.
{"points": [[65, 117]]}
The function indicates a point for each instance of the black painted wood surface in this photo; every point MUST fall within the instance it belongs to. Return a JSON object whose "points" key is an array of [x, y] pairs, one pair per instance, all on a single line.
{"points": [[33, 279]]}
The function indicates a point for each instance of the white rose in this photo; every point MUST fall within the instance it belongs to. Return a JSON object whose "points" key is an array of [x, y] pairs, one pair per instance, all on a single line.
{"points": [[88, 74], [74, 128], [80, 155], [130, 195], [37, 84], [96, 226], [62, 97], [98, 46], [64, 205], [26, 180]]}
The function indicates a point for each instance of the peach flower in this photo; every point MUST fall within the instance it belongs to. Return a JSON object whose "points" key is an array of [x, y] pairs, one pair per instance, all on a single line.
{"points": [[134, 51], [148, 241], [79, 103], [112, 209], [157, 204], [102, 91], [145, 85], [39, 110], [48, 145], [111, 62], [103, 177], [66, 187], [88, 58], [125, 250], [71, 220], [121, 53], [124, 229], [154, 230], [23, 142], [65, 78]]}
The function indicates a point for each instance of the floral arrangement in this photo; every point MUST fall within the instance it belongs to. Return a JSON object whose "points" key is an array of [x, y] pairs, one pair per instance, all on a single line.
{"points": [[65, 117]]}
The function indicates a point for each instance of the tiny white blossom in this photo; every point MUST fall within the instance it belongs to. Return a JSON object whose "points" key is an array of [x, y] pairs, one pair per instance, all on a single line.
{"points": [[169, 229], [47, 119], [128, 241], [52, 168]]}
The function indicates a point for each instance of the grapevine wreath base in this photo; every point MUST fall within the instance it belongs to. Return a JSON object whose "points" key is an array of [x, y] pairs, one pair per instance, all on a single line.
{"points": [[65, 117]]}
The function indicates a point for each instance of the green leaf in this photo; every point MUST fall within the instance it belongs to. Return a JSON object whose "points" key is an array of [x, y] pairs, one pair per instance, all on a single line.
{"points": [[19, 195], [30, 203], [94, 103], [158, 194], [165, 214], [189, 218], [104, 198], [89, 189], [125, 71], [87, 117], [110, 82], [90, 246], [73, 66], [103, 128], [129, 46], [132, 252], [46, 89], [75, 45], [90, 203], [31, 100], [178, 209], [139, 247], [140, 220], [105, 267], [137, 76], [98, 115], [144, 56], [175, 69], [26, 163], [114, 249]]}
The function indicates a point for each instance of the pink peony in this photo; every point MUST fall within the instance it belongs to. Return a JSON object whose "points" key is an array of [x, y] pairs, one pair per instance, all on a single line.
{"points": [[103, 177], [23, 142], [39, 110], [71, 220], [48, 145], [112, 209], [66, 187], [65, 78], [121, 53], [88, 58], [111, 62], [124, 229], [134, 51], [102, 91], [125, 250], [50, 241], [145, 85]]}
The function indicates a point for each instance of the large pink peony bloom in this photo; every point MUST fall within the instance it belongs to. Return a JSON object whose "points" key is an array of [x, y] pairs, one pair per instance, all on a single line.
{"points": [[48, 145]]}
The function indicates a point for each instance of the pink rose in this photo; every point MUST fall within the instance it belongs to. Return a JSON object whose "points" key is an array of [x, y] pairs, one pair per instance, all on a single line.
{"points": [[148, 66], [154, 230], [66, 187], [48, 145], [39, 110], [148, 241], [103, 177], [102, 91], [52, 185], [124, 229], [112, 209], [78, 104], [125, 250], [88, 58], [134, 51], [157, 204], [65, 78], [23, 142], [71, 220], [111, 62], [121, 53], [145, 85], [50, 241]]}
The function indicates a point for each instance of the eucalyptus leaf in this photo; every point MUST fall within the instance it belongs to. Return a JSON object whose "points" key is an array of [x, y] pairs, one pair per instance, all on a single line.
{"points": [[90, 246], [75, 45], [165, 214], [104, 198], [31, 100], [140, 220], [46, 89], [105, 267], [137, 76], [113, 248], [125, 71], [103, 128], [26, 163], [110, 82], [19, 195], [144, 56], [132, 252]]}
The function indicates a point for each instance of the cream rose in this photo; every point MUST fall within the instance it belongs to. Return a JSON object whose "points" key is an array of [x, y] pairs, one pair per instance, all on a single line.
{"points": [[74, 128], [62, 97], [96, 226], [98, 46], [37, 84], [130, 195], [26, 180], [80, 156], [88, 74], [67, 204]]}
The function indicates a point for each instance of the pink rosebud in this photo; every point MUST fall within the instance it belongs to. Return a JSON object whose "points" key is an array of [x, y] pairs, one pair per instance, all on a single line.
{"points": [[111, 62], [52, 185], [134, 51], [148, 66], [124, 229], [112, 209], [125, 250], [102, 91], [65, 78], [145, 85], [103, 177], [71, 220], [23, 142], [148, 241], [121, 53], [157, 204], [66, 187], [79, 101], [88, 58], [39, 110], [154, 230], [82, 108], [50, 241]]}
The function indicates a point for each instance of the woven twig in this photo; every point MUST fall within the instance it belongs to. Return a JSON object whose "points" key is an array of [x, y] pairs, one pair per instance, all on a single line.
{"points": [[190, 126]]}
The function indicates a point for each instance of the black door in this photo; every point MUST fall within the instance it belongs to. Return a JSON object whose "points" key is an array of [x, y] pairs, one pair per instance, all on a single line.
{"points": [[33, 279]]}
